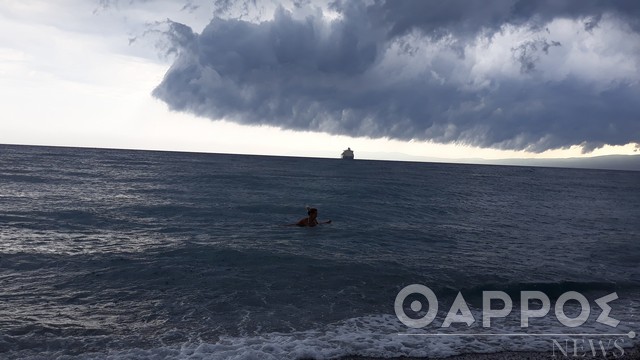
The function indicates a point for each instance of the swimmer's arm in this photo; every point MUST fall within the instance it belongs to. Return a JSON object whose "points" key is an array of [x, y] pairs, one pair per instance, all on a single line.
{"points": [[302, 222], [305, 222]]}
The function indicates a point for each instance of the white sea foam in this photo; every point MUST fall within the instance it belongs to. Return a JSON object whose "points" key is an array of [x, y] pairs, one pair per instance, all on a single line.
{"points": [[374, 336]]}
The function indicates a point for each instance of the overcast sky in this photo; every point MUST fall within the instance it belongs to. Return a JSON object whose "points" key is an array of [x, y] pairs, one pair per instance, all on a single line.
{"points": [[393, 80]]}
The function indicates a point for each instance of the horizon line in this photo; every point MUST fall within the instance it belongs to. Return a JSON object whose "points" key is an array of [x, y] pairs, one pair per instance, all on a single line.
{"points": [[416, 158]]}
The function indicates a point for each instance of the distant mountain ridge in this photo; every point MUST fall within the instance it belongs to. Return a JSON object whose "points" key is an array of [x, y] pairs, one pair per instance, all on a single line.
{"points": [[605, 162]]}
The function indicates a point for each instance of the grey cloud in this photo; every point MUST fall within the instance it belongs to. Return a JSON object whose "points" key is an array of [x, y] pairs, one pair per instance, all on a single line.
{"points": [[461, 16], [170, 37], [592, 23], [528, 53], [304, 74], [464, 17]]}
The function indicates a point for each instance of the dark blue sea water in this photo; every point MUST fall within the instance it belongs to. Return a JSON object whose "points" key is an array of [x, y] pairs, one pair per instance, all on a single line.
{"points": [[135, 254]]}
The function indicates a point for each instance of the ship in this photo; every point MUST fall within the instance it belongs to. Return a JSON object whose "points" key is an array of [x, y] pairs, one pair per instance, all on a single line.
{"points": [[347, 154]]}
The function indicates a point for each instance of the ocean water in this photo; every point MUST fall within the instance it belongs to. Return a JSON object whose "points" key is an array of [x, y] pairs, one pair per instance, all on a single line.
{"points": [[134, 254]]}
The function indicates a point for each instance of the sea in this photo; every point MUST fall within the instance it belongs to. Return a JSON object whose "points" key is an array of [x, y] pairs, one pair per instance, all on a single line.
{"points": [[120, 254]]}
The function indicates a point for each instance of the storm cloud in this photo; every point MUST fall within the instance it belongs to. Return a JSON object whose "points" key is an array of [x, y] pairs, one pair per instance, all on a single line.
{"points": [[506, 74]]}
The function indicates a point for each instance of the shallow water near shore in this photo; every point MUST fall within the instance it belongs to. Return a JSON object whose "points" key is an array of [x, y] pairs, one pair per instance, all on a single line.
{"points": [[137, 254]]}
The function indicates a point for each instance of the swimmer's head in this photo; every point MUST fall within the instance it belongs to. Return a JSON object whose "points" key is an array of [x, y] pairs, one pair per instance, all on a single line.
{"points": [[311, 210]]}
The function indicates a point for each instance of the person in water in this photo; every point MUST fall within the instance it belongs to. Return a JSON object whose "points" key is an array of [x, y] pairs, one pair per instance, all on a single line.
{"points": [[312, 219]]}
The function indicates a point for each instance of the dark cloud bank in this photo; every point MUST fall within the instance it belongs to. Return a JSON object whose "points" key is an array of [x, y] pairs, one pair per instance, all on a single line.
{"points": [[349, 75]]}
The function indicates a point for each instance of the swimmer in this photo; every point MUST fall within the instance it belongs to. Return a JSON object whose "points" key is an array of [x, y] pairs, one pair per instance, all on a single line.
{"points": [[312, 219]]}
